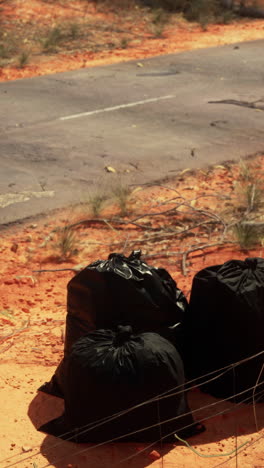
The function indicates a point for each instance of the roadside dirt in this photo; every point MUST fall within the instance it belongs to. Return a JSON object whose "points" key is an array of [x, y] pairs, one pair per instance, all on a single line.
{"points": [[42, 37], [33, 310]]}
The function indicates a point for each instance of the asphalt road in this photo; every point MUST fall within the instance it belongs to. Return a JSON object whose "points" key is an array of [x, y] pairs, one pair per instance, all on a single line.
{"points": [[147, 119]]}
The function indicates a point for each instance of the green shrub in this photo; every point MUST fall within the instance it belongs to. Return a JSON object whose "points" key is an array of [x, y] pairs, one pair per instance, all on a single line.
{"points": [[203, 11], [52, 40], [6, 50], [122, 194], [66, 243], [74, 30], [170, 5], [247, 235], [96, 203], [23, 59], [124, 43]]}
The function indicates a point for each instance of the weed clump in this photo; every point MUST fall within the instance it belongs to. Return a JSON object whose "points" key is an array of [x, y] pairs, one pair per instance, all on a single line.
{"points": [[201, 11], [124, 43], [66, 243], [96, 203], [248, 230], [74, 30], [23, 59], [250, 187], [122, 194], [52, 40], [247, 235]]}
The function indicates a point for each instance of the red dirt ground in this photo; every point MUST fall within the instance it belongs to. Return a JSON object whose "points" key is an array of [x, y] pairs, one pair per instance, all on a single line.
{"points": [[177, 35], [33, 309], [33, 305]]}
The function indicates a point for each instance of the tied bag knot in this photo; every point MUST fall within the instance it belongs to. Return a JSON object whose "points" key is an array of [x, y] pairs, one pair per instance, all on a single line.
{"points": [[123, 335], [251, 263]]}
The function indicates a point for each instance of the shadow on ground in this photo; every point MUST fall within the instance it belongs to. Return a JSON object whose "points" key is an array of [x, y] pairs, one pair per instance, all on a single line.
{"points": [[224, 420]]}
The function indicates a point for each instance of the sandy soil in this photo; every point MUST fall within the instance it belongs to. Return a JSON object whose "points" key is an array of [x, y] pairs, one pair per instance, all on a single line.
{"points": [[90, 36], [33, 309], [33, 304]]}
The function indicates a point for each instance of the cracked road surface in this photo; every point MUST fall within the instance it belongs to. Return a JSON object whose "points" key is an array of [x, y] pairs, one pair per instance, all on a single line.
{"points": [[147, 120]]}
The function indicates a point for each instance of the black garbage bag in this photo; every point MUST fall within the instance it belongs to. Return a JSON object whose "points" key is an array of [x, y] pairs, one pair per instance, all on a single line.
{"points": [[119, 291], [112, 381], [225, 324]]}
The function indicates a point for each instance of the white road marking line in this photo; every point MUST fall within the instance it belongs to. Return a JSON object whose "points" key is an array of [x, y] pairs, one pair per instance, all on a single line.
{"points": [[10, 198], [110, 109]]}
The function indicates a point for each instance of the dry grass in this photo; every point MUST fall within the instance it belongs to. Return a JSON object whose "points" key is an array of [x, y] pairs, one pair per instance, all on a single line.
{"points": [[66, 243], [96, 203], [248, 236], [122, 195], [84, 31]]}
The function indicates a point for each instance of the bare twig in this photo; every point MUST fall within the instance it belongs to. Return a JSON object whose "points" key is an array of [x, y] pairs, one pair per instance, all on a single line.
{"points": [[6, 348], [148, 215], [167, 235], [200, 247], [50, 271], [163, 254], [15, 332], [109, 225], [126, 243]]}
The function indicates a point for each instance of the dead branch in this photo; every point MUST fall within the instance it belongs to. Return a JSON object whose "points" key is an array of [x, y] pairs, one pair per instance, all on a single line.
{"points": [[256, 224], [15, 333], [9, 345], [170, 233], [109, 222], [57, 269], [201, 247], [167, 235], [184, 254], [163, 254], [118, 221]]}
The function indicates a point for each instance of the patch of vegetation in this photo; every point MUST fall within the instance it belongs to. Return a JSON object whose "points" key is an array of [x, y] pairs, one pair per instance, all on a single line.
{"points": [[175, 224], [160, 16], [247, 235], [115, 4], [248, 207], [254, 196], [250, 187], [4, 51], [7, 47], [52, 40], [23, 59], [159, 20], [84, 33], [158, 31], [201, 11], [66, 243], [124, 43], [74, 30], [122, 194], [96, 203]]}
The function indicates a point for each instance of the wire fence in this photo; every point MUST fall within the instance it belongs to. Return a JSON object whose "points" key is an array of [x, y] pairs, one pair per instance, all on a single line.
{"points": [[256, 395], [101, 444], [116, 439]]}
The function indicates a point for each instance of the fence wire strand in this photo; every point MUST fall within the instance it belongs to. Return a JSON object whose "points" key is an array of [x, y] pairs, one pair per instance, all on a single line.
{"points": [[261, 393], [168, 394], [201, 420], [88, 449]]}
